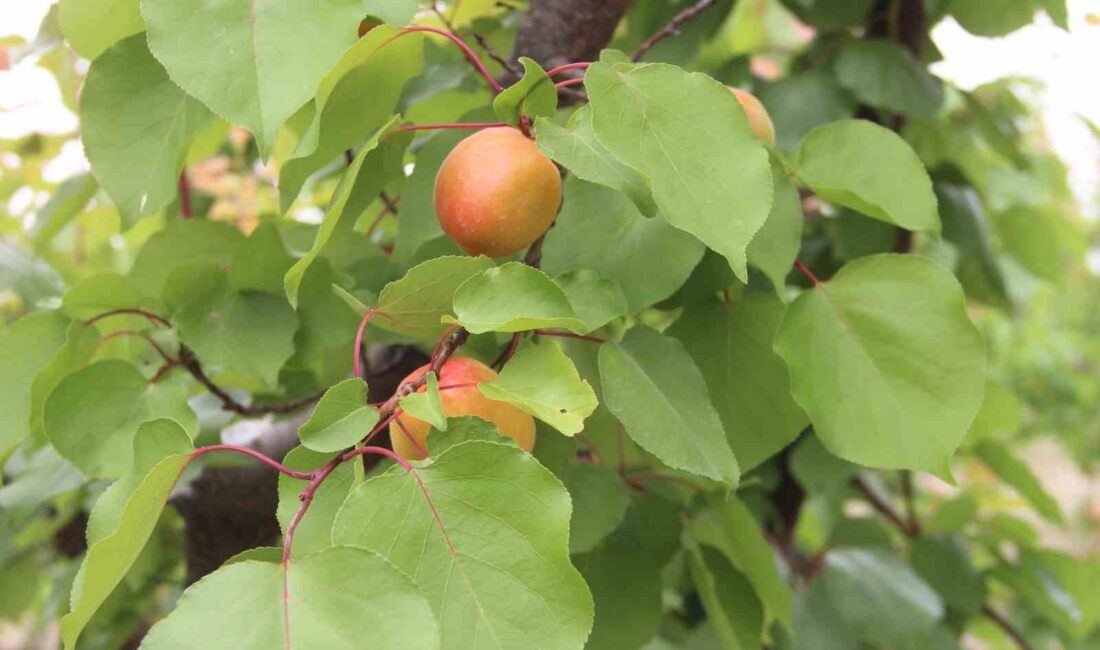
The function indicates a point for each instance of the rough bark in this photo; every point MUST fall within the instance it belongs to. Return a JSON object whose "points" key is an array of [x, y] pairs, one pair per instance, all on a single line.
{"points": [[563, 31]]}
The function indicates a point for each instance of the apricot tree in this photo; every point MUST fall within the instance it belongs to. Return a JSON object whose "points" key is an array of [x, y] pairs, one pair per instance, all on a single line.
{"points": [[546, 324]]}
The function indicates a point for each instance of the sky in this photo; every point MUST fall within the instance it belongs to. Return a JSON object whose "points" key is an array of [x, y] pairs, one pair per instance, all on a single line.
{"points": [[1064, 61]]}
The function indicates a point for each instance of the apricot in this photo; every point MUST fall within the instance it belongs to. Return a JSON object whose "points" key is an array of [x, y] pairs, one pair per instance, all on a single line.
{"points": [[496, 193], [759, 119], [466, 400]]}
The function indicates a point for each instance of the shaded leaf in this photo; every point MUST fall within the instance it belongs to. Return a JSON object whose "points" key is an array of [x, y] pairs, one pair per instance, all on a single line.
{"points": [[654, 388], [600, 499]]}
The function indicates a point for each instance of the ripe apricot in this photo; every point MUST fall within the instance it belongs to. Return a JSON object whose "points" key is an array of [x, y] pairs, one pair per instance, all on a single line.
{"points": [[496, 193], [758, 116], [466, 400]]}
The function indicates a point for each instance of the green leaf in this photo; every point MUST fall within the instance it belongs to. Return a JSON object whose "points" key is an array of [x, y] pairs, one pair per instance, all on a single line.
{"points": [[253, 64], [650, 259], [817, 470], [965, 226], [600, 499], [713, 182], [597, 301], [432, 523], [102, 292], [26, 347], [576, 148], [327, 329], [378, 160], [260, 262], [731, 528], [1033, 239], [886, 362], [513, 298], [67, 202], [748, 383], [876, 593], [115, 550], [183, 241], [802, 101], [416, 304], [885, 75], [127, 97], [870, 169], [654, 388], [534, 95], [623, 572], [374, 598], [42, 475], [541, 380], [314, 533], [1019, 476], [93, 415], [733, 610], [775, 246], [394, 12], [91, 26], [427, 404], [945, 564], [463, 429], [377, 66], [1041, 589], [247, 333], [342, 418], [975, 16]]}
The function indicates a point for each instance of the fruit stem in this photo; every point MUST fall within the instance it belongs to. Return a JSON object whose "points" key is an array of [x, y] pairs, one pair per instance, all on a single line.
{"points": [[569, 82], [470, 54], [356, 362], [582, 65]]}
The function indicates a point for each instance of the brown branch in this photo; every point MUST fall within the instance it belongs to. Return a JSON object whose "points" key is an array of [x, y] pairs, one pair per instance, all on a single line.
{"points": [[671, 29], [883, 507], [554, 32], [1007, 626], [190, 362], [910, 507]]}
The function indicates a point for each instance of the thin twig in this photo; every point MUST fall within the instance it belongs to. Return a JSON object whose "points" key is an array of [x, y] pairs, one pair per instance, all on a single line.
{"points": [[148, 339], [1008, 627], [671, 29], [156, 319], [247, 451], [910, 507], [190, 362], [507, 353], [883, 507]]}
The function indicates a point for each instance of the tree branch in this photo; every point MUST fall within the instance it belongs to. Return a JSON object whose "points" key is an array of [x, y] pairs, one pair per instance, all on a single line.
{"points": [[671, 29], [555, 32]]}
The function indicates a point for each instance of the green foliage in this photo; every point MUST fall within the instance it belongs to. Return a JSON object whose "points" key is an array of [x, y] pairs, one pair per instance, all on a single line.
{"points": [[730, 348]]}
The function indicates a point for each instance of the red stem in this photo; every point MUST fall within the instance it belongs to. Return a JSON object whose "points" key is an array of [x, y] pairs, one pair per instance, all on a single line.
{"points": [[382, 425], [468, 384], [381, 451], [301, 476], [582, 65], [185, 196], [359, 341], [148, 339], [570, 335], [569, 82], [804, 270], [470, 54], [153, 318], [506, 353], [454, 125]]}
